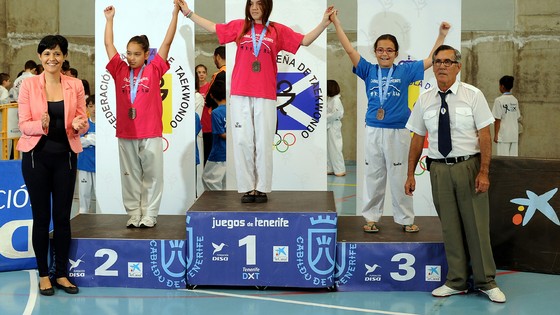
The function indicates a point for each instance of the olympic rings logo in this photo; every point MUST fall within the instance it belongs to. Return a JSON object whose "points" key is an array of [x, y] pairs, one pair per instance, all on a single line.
{"points": [[423, 166], [165, 144], [283, 143]]}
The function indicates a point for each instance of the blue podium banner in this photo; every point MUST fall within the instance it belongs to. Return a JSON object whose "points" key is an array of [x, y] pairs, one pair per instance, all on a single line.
{"points": [[16, 250], [155, 264], [390, 266], [287, 249]]}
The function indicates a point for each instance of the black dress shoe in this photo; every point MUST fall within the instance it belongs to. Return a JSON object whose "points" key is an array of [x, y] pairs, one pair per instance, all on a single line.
{"points": [[46, 292], [69, 290]]}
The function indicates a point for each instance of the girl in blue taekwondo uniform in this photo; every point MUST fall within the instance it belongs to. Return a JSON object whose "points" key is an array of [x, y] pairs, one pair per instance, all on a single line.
{"points": [[387, 141]]}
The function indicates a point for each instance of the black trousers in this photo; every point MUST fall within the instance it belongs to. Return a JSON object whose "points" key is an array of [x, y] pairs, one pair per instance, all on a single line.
{"points": [[207, 139], [50, 179]]}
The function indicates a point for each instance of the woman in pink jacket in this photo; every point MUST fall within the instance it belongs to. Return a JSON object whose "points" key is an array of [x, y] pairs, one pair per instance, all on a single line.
{"points": [[52, 116]]}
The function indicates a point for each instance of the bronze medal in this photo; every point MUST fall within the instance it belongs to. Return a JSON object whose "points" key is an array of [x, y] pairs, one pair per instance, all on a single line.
{"points": [[132, 113], [380, 114], [256, 66]]}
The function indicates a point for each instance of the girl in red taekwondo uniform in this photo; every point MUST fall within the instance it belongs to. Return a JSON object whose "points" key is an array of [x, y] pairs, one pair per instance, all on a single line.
{"points": [[139, 124], [253, 88]]}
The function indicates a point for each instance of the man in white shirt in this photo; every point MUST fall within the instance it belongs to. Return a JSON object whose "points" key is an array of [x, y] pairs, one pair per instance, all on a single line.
{"points": [[457, 119]]}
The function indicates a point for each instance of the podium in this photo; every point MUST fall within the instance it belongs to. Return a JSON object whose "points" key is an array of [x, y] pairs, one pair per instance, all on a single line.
{"points": [[390, 260], [104, 253], [295, 240], [287, 242]]}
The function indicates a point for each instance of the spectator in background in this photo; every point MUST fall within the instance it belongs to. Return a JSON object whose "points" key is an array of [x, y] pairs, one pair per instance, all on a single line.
{"points": [[5, 84], [72, 72], [199, 106], [39, 70], [214, 175], [210, 104], [86, 88], [198, 165], [65, 68], [86, 161], [335, 112], [201, 73], [507, 114], [30, 69]]}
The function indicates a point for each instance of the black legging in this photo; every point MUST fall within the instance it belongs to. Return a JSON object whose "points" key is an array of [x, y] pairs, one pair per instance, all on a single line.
{"points": [[207, 139], [47, 175]]}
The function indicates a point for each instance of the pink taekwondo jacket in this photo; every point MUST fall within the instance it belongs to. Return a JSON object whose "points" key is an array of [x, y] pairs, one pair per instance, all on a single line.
{"points": [[32, 103]]}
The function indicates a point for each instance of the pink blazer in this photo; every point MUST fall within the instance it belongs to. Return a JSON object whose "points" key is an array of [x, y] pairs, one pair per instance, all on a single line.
{"points": [[32, 103]]}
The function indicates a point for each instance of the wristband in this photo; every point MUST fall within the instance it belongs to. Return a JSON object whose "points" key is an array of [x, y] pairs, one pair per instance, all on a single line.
{"points": [[189, 14]]}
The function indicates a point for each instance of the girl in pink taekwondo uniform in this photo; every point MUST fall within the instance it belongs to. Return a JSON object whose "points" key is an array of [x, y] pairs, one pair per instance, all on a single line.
{"points": [[253, 88], [139, 124]]}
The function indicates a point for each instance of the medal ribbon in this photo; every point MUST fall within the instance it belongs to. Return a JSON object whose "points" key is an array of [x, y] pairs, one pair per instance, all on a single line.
{"points": [[383, 89], [257, 46], [134, 85]]}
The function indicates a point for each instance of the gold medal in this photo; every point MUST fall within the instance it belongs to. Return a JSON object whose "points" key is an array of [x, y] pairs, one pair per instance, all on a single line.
{"points": [[132, 113], [256, 66], [380, 114]]}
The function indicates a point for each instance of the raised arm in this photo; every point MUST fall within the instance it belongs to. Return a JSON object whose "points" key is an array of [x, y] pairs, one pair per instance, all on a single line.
{"points": [[199, 20], [352, 53], [166, 44], [109, 45], [312, 36], [443, 30]]}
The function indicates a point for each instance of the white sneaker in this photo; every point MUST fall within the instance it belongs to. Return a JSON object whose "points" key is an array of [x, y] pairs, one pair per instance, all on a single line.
{"points": [[148, 222], [495, 295], [444, 291], [134, 221]]}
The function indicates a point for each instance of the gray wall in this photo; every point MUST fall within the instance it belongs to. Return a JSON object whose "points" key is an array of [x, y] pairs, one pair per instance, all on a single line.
{"points": [[499, 37]]}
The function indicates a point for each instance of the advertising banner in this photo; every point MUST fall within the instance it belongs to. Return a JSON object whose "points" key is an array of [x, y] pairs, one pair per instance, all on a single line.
{"points": [[16, 221], [261, 249], [390, 266], [155, 264]]}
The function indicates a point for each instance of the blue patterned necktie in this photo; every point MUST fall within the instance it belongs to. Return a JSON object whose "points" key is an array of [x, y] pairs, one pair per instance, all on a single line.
{"points": [[444, 128]]}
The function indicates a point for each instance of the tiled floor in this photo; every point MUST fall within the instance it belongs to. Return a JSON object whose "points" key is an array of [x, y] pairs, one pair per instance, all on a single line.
{"points": [[527, 293]]}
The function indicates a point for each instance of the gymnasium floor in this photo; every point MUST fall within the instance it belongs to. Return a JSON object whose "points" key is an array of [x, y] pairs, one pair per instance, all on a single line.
{"points": [[527, 293]]}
